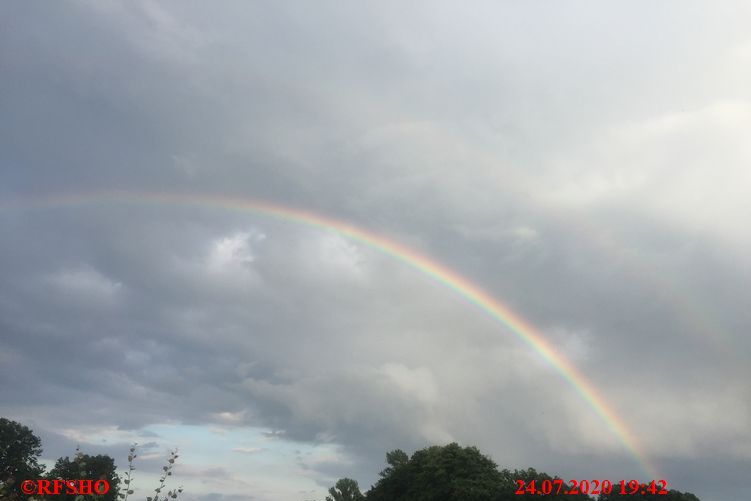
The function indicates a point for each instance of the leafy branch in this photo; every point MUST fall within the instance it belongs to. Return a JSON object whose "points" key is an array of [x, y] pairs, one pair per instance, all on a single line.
{"points": [[127, 478]]}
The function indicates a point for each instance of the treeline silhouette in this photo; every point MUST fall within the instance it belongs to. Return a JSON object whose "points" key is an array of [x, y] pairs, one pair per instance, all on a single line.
{"points": [[20, 450], [454, 473], [437, 473]]}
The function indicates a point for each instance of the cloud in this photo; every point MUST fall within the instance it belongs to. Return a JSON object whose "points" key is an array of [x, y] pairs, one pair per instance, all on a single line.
{"points": [[85, 285], [329, 255], [232, 253], [229, 417], [415, 383], [248, 450]]}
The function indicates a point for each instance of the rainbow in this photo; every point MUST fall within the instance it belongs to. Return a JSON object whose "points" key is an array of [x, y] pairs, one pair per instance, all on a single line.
{"points": [[467, 290]]}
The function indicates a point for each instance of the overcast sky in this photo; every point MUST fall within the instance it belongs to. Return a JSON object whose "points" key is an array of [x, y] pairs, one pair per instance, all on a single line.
{"points": [[588, 164]]}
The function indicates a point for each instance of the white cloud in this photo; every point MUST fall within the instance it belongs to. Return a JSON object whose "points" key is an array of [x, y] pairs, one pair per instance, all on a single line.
{"points": [[230, 417], [332, 257], [98, 434], [85, 285], [249, 450], [233, 253], [228, 266], [575, 345], [687, 169]]}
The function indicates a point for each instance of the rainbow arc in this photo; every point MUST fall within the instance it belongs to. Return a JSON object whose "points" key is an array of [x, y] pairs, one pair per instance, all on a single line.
{"points": [[467, 290]]}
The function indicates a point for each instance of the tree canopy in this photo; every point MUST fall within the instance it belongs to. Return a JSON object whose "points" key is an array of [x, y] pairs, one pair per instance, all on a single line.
{"points": [[455, 473], [448, 473], [345, 489], [436, 473], [19, 453], [84, 466], [20, 450]]}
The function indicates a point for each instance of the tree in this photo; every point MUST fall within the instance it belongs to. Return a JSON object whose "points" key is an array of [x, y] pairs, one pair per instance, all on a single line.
{"points": [[345, 489], [439, 473], [20, 448], [453, 473], [86, 467], [395, 459], [19, 452]]}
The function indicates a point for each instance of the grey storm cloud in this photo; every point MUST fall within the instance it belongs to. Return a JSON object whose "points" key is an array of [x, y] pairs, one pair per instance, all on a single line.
{"points": [[586, 164]]}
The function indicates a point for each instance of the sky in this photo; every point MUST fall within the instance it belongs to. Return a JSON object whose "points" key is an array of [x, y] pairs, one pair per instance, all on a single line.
{"points": [[584, 164]]}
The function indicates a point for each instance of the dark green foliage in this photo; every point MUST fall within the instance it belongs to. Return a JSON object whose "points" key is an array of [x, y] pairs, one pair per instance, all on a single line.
{"points": [[19, 452], [345, 489], [84, 466], [448, 473], [394, 459], [437, 473], [454, 473]]}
